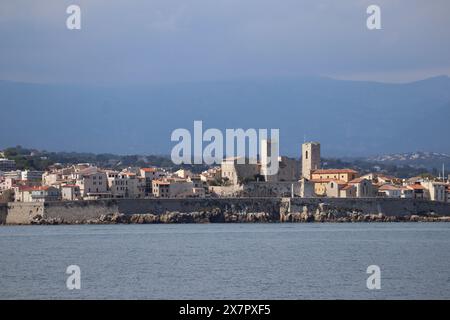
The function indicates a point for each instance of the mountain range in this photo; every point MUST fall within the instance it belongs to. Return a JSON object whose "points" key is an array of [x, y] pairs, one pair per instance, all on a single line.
{"points": [[349, 118]]}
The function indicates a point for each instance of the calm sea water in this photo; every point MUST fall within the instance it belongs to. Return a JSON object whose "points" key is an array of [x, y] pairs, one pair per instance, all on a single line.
{"points": [[230, 261]]}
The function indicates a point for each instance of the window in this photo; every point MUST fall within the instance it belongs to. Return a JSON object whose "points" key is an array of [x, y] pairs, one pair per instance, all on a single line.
{"points": [[306, 154]]}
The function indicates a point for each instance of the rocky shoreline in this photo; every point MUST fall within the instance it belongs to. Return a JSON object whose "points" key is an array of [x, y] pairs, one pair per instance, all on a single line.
{"points": [[258, 217]]}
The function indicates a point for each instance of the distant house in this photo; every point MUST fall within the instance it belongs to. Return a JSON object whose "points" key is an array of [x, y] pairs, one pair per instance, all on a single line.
{"points": [[435, 191], [390, 191], [348, 191], [345, 175], [236, 172], [126, 184], [418, 191], [93, 183], [7, 165], [363, 187], [333, 188], [174, 188], [149, 174], [70, 192], [36, 194]]}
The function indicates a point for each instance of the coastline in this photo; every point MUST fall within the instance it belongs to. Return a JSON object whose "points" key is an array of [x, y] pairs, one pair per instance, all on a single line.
{"points": [[224, 210]]}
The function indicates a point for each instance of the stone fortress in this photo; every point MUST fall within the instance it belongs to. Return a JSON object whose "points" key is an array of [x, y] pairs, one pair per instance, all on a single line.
{"points": [[314, 194]]}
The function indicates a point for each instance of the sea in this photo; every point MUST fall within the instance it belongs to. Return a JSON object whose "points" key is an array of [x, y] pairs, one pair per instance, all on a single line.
{"points": [[226, 261]]}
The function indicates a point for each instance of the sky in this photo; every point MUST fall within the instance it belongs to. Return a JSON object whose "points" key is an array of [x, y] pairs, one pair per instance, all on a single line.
{"points": [[133, 42]]}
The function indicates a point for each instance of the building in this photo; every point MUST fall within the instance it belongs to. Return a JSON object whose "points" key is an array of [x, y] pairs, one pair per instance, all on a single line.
{"points": [[435, 191], [149, 174], [58, 176], [333, 188], [418, 191], [92, 182], [390, 191], [363, 187], [212, 174], [36, 194], [70, 192], [237, 172], [173, 188], [6, 184], [407, 192], [288, 169], [16, 175], [183, 173], [126, 185], [310, 158], [29, 175], [345, 175], [161, 188], [267, 169], [306, 188], [7, 165], [348, 191]]}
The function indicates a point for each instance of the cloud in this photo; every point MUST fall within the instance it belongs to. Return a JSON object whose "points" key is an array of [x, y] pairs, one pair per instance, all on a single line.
{"points": [[137, 41]]}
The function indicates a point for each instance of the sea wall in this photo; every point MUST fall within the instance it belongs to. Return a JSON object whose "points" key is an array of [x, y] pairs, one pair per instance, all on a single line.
{"points": [[362, 209], [264, 209], [3, 212], [24, 212]]}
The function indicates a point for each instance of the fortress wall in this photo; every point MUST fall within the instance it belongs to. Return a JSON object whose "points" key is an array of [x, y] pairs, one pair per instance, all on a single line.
{"points": [[385, 206], [275, 208], [232, 205], [24, 212], [79, 211], [3, 212]]}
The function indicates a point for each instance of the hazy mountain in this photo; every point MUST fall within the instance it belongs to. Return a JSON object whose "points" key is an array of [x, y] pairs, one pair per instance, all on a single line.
{"points": [[418, 159], [349, 118]]}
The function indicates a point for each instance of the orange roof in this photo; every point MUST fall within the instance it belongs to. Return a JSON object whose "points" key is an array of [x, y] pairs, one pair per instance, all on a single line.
{"points": [[416, 187], [389, 187], [357, 180], [161, 182], [35, 188], [148, 169], [333, 171]]}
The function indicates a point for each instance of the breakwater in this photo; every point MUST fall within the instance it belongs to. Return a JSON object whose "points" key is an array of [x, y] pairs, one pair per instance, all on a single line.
{"points": [[268, 209]]}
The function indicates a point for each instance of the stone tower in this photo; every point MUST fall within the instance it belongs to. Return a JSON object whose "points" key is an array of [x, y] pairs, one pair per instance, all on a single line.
{"points": [[267, 146], [310, 158]]}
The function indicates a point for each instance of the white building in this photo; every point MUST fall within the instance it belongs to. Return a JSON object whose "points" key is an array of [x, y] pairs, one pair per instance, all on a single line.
{"points": [[390, 191], [92, 183], [126, 185], [70, 192], [36, 194], [7, 165], [149, 174], [173, 188], [28, 175], [183, 173], [237, 172], [435, 191]]}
